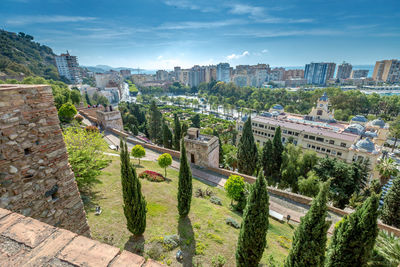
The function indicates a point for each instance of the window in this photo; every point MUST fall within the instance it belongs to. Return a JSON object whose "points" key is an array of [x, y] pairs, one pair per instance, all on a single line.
{"points": [[328, 151], [290, 132], [323, 149], [319, 139], [306, 136], [284, 131], [339, 154], [313, 147], [311, 137], [343, 144], [332, 142], [319, 112], [295, 142], [318, 148], [273, 128], [308, 145], [296, 134], [333, 152], [261, 125]]}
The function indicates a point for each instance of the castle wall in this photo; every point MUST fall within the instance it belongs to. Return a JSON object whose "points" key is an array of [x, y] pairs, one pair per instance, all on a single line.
{"points": [[35, 177], [110, 119], [205, 154]]}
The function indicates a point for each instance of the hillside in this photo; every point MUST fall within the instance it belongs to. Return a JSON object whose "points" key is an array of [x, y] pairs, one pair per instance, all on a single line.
{"points": [[20, 54]]}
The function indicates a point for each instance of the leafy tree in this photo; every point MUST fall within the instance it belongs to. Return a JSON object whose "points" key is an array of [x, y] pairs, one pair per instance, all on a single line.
{"points": [[354, 238], [134, 202], [277, 154], [309, 242], [185, 183], [253, 231], [164, 161], [177, 132], [195, 120], [230, 156], [395, 131], [67, 112], [138, 152], [85, 155], [388, 246], [291, 162], [247, 150], [100, 99], [155, 123], [387, 168], [167, 137], [309, 186], [234, 187], [266, 159], [391, 205], [75, 97]]}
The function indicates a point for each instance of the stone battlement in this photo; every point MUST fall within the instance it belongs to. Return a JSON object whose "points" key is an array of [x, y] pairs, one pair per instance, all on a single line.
{"points": [[28, 242], [35, 177]]}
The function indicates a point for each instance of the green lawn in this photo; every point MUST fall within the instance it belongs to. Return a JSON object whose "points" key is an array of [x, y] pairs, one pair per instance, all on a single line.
{"points": [[205, 232]]}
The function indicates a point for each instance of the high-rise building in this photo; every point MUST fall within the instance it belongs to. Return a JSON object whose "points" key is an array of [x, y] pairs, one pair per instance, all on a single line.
{"points": [[125, 73], [293, 74], [276, 74], [357, 74], [161, 75], [344, 71], [319, 73], [223, 72], [178, 74], [68, 67], [387, 71]]}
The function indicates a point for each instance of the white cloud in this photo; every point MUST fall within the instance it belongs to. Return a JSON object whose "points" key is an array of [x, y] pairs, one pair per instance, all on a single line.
{"points": [[159, 57], [22, 20], [199, 24], [234, 56], [242, 9], [270, 34], [187, 4], [264, 51]]}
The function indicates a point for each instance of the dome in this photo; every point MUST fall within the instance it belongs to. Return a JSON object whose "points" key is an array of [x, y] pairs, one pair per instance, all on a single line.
{"points": [[378, 122], [278, 107], [324, 97], [366, 144], [370, 134], [359, 118], [354, 129]]}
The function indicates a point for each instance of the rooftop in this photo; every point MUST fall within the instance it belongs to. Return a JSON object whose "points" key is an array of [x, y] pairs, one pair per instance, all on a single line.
{"points": [[26, 241]]}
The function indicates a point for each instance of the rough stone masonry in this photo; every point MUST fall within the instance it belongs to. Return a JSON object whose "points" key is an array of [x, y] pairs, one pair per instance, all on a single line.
{"points": [[35, 177]]}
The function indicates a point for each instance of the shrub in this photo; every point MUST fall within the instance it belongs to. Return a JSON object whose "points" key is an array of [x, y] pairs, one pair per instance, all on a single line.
{"points": [[67, 112], [170, 242], [78, 118], [200, 247], [203, 193], [218, 261], [284, 242], [197, 226], [152, 176], [234, 187], [215, 237], [216, 200], [155, 251], [232, 222]]}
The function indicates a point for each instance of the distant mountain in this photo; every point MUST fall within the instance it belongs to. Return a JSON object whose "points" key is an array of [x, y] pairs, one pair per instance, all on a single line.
{"points": [[105, 68], [20, 54]]}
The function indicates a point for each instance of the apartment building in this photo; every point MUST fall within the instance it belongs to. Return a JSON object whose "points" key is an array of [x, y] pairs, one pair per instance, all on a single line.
{"points": [[223, 72], [319, 73], [358, 74], [321, 133], [344, 71], [387, 71], [293, 74], [68, 67]]}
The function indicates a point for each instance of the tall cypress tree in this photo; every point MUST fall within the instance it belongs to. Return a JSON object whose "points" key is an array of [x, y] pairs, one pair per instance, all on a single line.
{"points": [[185, 183], [134, 202], [277, 151], [247, 150], [155, 123], [167, 136], [266, 159], [253, 231], [354, 238], [221, 151], [309, 242], [177, 132], [391, 205]]}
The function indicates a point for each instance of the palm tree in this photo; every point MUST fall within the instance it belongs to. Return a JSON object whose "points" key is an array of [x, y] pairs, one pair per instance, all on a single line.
{"points": [[388, 246], [387, 168]]}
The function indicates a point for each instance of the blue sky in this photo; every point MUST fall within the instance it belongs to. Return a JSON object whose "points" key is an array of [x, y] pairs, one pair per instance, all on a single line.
{"points": [[160, 34]]}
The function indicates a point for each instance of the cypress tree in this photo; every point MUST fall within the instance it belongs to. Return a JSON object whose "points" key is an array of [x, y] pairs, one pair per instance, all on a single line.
{"points": [[185, 183], [277, 151], [221, 151], [167, 136], [253, 231], [155, 123], [354, 238], [134, 202], [266, 159], [309, 242], [88, 99], [247, 154], [177, 132], [391, 205]]}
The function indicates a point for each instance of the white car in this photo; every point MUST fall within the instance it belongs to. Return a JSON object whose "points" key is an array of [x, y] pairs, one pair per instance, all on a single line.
{"points": [[112, 147]]}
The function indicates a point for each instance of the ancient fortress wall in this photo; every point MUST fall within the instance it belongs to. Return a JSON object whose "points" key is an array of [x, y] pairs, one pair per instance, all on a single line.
{"points": [[35, 177]]}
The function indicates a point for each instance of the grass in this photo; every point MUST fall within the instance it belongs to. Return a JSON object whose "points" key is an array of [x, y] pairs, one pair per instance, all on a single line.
{"points": [[205, 232]]}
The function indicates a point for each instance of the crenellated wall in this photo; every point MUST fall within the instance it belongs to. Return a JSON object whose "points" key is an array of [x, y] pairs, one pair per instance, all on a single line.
{"points": [[35, 177]]}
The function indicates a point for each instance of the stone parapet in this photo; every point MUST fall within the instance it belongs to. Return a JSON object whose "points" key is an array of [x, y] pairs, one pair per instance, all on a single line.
{"points": [[35, 177]]}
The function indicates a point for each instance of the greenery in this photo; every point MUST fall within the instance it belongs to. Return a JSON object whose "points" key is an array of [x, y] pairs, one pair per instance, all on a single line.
{"points": [[85, 155], [138, 152], [266, 159], [167, 136], [354, 237], [309, 186], [386, 168], [177, 132], [391, 205], [196, 121], [234, 187], [134, 202], [67, 112], [309, 242], [277, 154], [155, 123], [388, 246], [247, 150], [20, 54], [164, 161], [395, 131], [253, 231], [185, 184]]}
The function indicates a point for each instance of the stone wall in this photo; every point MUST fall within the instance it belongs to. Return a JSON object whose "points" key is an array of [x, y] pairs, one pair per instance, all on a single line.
{"points": [[110, 119], [35, 177], [205, 154]]}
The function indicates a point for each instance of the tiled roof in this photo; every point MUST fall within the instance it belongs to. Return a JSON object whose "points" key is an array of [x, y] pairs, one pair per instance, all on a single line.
{"points": [[27, 242]]}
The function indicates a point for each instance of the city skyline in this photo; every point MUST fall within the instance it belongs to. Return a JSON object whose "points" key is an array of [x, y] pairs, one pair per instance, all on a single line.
{"points": [[163, 34]]}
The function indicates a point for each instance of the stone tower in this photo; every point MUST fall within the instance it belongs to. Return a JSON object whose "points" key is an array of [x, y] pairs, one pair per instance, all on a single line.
{"points": [[35, 177]]}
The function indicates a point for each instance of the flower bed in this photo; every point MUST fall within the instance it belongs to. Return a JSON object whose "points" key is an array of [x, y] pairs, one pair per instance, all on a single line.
{"points": [[152, 176]]}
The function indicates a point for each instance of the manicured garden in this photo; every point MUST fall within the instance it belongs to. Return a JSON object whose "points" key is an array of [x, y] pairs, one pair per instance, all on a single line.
{"points": [[206, 238]]}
